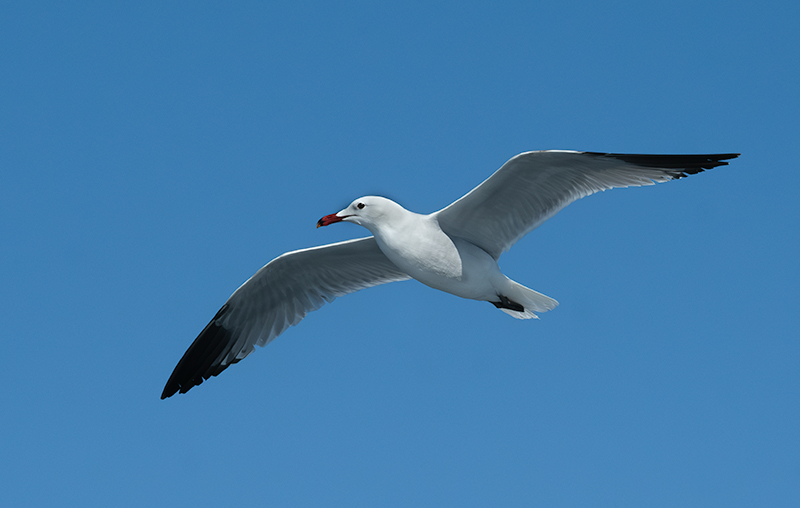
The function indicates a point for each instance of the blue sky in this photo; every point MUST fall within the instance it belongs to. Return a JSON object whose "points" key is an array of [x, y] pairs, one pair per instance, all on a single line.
{"points": [[156, 154]]}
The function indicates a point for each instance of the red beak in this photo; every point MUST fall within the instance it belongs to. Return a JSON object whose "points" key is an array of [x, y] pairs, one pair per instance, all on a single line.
{"points": [[329, 219]]}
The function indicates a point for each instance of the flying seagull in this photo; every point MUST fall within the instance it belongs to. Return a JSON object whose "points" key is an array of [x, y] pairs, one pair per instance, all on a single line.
{"points": [[454, 250]]}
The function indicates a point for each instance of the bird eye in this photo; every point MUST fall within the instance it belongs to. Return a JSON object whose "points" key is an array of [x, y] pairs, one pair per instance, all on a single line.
{"points": [[360, 206]]}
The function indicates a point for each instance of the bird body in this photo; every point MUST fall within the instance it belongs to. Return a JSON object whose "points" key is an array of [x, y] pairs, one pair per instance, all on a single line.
{"points": [[454, 250], [418, 246]]}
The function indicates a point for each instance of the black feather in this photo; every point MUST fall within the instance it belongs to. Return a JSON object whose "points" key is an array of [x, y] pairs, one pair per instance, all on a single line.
{"points": [[684, 164], [201, 360]]}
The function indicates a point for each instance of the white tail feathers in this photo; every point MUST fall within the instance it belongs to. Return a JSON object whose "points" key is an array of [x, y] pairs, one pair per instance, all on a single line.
{"points": [[531, 300]]}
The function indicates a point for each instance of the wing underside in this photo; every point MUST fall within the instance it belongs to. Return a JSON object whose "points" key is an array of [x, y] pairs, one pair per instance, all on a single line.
{"points": [[280, 295], [533, 186]]}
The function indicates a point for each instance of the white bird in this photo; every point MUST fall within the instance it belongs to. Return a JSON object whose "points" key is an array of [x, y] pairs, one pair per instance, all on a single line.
{"points": [[454, 250]]}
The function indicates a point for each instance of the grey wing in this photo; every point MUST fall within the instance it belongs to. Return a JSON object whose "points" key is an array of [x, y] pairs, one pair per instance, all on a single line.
{"points": [[533, 186], [280, 295]]}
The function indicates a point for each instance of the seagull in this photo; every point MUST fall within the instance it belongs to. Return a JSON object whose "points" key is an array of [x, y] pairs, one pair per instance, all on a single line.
{"points": [[454, 250]]}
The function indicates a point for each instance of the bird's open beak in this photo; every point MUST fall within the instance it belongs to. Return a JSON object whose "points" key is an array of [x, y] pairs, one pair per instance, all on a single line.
{"points": [[330, 219]]}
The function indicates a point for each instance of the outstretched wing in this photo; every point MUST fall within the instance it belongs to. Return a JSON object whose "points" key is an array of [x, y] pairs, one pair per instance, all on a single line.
{"points": [[278, 296], [533, 186]]}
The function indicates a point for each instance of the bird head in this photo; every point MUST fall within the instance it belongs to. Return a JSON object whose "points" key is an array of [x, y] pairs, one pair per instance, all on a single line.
{"points": [[368, 211]]}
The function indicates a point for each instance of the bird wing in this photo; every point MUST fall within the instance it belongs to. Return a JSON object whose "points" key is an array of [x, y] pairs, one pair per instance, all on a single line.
{"points": [[280, 295], [533, 186]]}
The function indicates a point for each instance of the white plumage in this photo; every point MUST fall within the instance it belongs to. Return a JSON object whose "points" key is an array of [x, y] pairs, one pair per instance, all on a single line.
{"points": [[454, 250]]}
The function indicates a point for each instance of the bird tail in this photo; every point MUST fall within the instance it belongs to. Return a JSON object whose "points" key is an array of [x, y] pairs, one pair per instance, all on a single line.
{"points": [[531, 301]]}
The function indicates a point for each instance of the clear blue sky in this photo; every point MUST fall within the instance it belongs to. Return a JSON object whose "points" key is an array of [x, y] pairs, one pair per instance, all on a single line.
{"points": [[155, 154]]}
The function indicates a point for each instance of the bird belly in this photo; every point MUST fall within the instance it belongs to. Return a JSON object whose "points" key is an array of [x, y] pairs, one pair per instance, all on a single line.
{"points": [[448, 264]]}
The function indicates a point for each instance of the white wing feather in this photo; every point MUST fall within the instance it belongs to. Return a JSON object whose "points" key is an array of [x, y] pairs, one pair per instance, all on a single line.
{"points": [[533, 186], [278, 296]]}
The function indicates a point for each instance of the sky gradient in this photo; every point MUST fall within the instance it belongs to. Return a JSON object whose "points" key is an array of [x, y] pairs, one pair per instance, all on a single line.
{"points": [[154, 155]]}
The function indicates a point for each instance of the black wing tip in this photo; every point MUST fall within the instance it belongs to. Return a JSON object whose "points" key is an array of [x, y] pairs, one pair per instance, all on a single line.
{"points": [[201, 360], [681, 164]]}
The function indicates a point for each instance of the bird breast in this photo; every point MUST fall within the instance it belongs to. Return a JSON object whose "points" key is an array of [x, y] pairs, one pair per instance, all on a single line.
{"points": [[453, 265], [425, 251]]}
